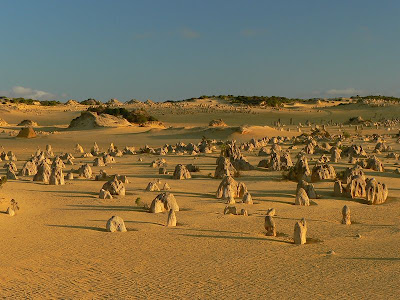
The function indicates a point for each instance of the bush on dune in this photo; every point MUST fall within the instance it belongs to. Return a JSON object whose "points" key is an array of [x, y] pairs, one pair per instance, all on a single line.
{"points": [[137, 116]]}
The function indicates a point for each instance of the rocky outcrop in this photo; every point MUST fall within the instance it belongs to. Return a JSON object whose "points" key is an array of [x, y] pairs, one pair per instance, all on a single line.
{"points": [[91, 120], [300, 232], [323, 172], [115, 186], [224, 168], [302, 198], [229, 188], [301, 170], [164, 202], [346, 215], [181, 172], [376, 192]]}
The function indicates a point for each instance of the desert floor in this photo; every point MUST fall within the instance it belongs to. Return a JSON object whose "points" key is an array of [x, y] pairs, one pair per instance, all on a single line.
{"points": [[57, 247]]}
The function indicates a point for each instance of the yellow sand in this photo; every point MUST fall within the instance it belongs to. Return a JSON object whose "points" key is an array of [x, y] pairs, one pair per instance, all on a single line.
{"points": [[56, 246]]}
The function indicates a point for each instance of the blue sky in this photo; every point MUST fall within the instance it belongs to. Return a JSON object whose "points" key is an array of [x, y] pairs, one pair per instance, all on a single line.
{"points": [[179, 49]]}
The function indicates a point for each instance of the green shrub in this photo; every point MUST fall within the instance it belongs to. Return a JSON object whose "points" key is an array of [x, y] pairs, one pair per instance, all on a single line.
{"points": [[346, 134], [50, 103], [137, 116]]}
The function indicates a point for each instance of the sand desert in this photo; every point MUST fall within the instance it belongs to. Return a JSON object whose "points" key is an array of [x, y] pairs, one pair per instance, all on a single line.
{"points": [[184, 232]]}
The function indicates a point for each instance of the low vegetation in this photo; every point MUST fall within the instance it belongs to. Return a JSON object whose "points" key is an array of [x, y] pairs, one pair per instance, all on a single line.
{"points": [[376, 97], [29, 101], [137, 116], [273, 101]]}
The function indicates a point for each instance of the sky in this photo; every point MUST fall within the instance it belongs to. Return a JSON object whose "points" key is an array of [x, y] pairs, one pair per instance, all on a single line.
{"points": [[172, 50]]}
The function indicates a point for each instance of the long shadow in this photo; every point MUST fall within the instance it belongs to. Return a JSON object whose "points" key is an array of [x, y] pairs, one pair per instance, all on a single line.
{"points": [[307, 219], [80, 227], [339, 198], [215, 231], [386, 174], [128, 221], [152, 176], [107, 208], [40, 128], [280, 194], [390, 200], [144, 222], [204, 195], [327, 193], [275, 201], [373, 225], [236, 238], [263, 179], [67, 192], [374, 258]]}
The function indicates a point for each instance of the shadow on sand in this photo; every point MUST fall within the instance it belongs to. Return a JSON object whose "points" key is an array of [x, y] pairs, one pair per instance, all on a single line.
{"points": [[107, 208], [86, 227], [80, 227], [374, 258], [236, 238]]}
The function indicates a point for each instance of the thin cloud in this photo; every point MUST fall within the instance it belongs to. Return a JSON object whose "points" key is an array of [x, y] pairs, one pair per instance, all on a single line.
{"points": [[143, 36], [184, 33], [343, 92], [29, 93], [189, 34], [251, 32]]}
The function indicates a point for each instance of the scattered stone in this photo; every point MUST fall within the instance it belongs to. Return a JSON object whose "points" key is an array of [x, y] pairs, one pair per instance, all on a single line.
{"points": [[79, 149], [217, 123], [247, 199], [152, 187], [43, 172], [224, 168], [105, 194], [308, 187], [98, 162], [85, 171], [230, 210], [115, 223], [269, 225], [27, 132], [171, 221], [166, 187], [271, 212], [346, 215], [49, 151], [356, 188], [162, 171], [301, 170], [115, 186], [244, 212], [300, 232], [376, 192], [229, 188], [323, 172], [181, 172], [375, 164], [338, 188], [28, 123], [302, 198], [56, 177], [164, 202], [12, 209]]}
